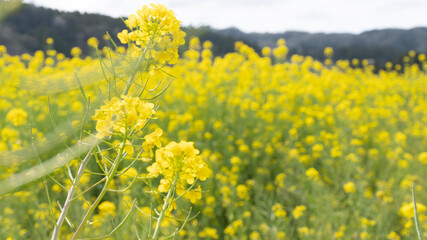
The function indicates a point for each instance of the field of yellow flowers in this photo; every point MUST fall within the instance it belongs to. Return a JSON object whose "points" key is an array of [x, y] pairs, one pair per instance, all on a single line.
{"points": [[290, 147]]}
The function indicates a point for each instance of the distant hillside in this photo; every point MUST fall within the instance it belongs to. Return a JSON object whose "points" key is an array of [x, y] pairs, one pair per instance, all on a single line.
{"points": [[379, 45], [25, 31]]}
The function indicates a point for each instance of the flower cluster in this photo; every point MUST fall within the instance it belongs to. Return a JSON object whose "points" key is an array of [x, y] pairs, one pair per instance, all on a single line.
{"points": [[17, 116], [182, 161], [152, 139], [154, 24], [122, 115], [406, 212], [281, 51]]}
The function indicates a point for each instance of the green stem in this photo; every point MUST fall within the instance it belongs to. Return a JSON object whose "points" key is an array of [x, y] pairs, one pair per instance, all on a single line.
{"points": [[142, 57], [112, 172], [62, 216], [132, 76], [165, 207], [417, 227]]}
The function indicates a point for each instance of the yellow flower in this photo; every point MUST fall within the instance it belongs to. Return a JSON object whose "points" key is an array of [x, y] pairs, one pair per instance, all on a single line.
{"points": [[255, 236], [93, 42], [365, 235], [229, 231], [152, 139], [235, 160], [281, 235], [366, 222], [194, 195], [131, 22], [349, 187], [107, 208], [312, 173], [182, 160], [328, 52], [266, 51], [423, 157], [299, 211], [49, 41], [305, 231], [280, 180], [281, 51], [76, 51], [17, 116], [393, 236], [154, 24], [242, 191], [123, 36], [130, 173], [278, 210], [407, 209], [128, 147], [338, 234], [125, 115], [208, 232]]}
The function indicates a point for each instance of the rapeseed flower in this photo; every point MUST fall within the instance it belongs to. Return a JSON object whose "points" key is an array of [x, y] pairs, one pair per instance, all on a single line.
{"points": [[107, 208], [182, 163], [152, 139], [122, 115], [17, 116], [349, 187], [298, 211], [209, 232], [157, 25]]}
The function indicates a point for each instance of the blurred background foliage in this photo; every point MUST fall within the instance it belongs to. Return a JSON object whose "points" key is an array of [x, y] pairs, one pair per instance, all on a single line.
{"points": [[8, 6]]}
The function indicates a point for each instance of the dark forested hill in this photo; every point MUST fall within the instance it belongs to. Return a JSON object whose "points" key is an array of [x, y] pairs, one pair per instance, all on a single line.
{"points": [[378, 45], [26, 30]]}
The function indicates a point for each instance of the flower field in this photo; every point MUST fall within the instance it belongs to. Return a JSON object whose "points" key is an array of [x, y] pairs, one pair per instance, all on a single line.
{"points": [[244, 146]]}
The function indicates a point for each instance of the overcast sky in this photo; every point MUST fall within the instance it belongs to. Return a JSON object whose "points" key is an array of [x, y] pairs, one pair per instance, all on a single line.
{"points": [[352, 16]]}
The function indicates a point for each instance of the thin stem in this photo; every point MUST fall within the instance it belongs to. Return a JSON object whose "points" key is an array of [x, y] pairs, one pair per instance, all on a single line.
{"points": [[132, 76], [187, 219], [118, 226], [104, 190], [67, 203], [88, 189], [165, 207], [36, 153], [420, 236]]}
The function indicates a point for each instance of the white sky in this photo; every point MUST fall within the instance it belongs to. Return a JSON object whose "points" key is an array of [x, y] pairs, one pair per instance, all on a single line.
{"points": [[352, 16]]}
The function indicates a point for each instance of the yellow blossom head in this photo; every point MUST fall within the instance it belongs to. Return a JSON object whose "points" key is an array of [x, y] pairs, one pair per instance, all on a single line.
{"points": [[17, 116]]}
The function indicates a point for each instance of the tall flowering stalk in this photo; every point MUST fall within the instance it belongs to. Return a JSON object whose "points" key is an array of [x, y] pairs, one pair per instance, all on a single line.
{"points": [[179, 165], [153, 37]]}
